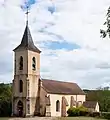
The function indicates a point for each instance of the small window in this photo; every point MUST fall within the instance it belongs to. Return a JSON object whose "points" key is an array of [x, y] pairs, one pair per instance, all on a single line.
{"points": [[57, 106], [21, 63], [20, 86], [33, 63]]}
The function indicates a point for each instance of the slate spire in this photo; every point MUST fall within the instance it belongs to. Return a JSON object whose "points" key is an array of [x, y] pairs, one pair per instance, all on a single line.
{"points": [[27, 41]]}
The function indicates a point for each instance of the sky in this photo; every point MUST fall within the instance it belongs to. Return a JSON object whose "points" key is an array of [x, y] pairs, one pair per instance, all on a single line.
{"points": [[68, 34]]}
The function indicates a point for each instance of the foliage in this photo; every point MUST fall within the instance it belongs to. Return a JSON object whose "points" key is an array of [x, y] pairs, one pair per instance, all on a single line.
{"points": [[107, 23], [102, 96], [106, 115], [94, 114], [72, 112], [81, 111], [5, 99], [78, 111]]}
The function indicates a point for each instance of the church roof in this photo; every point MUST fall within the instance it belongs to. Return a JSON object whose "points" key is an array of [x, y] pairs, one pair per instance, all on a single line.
{"points": [[58, 87], [27, 42]]}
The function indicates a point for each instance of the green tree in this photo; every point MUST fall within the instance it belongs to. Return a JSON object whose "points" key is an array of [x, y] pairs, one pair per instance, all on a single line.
{"points": [[107, 23], [5, 99]]}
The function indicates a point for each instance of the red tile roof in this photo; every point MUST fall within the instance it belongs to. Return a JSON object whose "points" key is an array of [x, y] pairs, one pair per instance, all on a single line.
{"points": [[59, 87]]}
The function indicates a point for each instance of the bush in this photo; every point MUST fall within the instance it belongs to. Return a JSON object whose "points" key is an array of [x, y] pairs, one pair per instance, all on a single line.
{"points": [[73, 112], [79, 111], [70, 111], [84, 113], [94, 114], [106, 115]]}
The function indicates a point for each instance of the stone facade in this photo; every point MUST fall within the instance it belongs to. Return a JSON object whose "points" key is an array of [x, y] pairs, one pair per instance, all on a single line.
{"points": [[29, 78]]}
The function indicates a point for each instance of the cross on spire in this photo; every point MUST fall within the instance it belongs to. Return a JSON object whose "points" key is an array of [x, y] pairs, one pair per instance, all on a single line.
{"points": [[27, 12]]}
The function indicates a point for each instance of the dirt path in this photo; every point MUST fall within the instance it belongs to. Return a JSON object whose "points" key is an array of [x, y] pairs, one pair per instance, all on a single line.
{"points": [[34, 118]]}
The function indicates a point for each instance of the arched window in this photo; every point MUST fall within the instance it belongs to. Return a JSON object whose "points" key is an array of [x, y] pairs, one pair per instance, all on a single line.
{"points": [[20, 86], [34, 63], [21, 63], [57, 105], [20, 104]]}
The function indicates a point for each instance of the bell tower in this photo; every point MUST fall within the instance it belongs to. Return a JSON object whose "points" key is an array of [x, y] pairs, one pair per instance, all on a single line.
{"points": [[26, 76]]}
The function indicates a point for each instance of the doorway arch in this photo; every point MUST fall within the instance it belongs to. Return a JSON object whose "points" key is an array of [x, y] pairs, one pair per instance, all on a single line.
{"points": [[20, 108]]}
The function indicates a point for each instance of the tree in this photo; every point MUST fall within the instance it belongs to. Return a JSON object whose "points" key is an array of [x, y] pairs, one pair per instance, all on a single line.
{"points": [[107, 23], [5, 99]]}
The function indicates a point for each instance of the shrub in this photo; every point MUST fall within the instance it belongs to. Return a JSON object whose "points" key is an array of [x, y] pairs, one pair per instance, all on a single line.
{"points": [[83, 111], [73, 112], [94, 114], [82, 108], [106, 115], [78, 111], [70, 112]]}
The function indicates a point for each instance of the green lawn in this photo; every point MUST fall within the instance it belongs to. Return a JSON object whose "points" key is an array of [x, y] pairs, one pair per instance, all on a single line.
{"points": [[3, 118], [78, 118]]}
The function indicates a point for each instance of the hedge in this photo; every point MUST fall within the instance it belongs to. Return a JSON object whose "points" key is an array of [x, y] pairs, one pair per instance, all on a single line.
{"points": [[78, 111], [81, 111]]}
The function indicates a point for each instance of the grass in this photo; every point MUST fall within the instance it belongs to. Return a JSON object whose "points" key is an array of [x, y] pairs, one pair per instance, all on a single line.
{"points": [[3, 118], [79, 118]]}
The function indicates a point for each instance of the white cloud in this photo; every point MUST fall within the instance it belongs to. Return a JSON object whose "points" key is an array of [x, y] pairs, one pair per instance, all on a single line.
{"points": [[75, 21]]}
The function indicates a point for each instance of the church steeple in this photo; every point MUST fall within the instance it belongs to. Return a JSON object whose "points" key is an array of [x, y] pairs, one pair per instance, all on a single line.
{"points": [[27, 41], [26, 76]]}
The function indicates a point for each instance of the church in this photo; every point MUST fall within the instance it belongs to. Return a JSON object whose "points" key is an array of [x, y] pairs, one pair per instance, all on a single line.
{"points": [[33, 95]]}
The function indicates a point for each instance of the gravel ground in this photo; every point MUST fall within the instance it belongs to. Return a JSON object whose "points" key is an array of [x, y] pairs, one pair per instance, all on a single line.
{"points": [[34, 118]]}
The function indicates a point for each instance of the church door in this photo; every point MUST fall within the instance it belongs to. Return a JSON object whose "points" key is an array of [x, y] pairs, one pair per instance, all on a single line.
{"points": [[20, 109]]}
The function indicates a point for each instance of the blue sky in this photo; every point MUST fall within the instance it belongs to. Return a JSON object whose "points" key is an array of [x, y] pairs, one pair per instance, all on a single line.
{"points": [[29, 3], [61, 45], [51, 8]]}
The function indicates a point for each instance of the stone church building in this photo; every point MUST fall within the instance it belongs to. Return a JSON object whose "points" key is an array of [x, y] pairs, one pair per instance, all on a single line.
{"points": [[33, 95]]}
